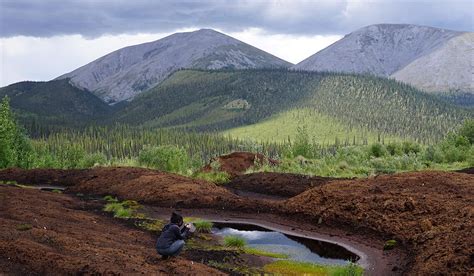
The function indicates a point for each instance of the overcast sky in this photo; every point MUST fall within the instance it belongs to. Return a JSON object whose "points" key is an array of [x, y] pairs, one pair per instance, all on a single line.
{"points": [[42, 39]]}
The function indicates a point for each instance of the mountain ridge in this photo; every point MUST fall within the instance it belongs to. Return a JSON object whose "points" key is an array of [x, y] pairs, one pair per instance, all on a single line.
{"points": [[385, 49], [125, 73]]}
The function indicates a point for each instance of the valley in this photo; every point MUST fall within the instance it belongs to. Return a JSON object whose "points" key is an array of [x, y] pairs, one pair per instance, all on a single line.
{"points": [[358, 160]]}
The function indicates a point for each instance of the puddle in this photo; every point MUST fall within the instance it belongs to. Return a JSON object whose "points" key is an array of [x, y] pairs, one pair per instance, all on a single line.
{"points": [[297, 248], [48, 188]]}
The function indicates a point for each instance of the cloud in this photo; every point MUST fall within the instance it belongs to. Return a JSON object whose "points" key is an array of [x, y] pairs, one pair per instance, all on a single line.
{"points": [[95, 18]]}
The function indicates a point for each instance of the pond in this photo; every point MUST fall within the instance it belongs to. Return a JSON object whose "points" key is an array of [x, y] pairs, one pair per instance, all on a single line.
{"points": [[296, 248]]}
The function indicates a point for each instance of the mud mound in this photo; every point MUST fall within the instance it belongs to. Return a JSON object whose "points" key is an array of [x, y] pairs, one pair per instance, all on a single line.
{"points": [[467, 170], [431, 213], [54, 177], [237, 163], [48, 233], [276, 184], [144, 185], [151, 187]]}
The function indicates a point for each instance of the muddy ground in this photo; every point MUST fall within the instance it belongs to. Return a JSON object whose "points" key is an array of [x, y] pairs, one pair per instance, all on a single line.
{"points": [[276, 184], [55, 234], [430, 214], [237, 163]]}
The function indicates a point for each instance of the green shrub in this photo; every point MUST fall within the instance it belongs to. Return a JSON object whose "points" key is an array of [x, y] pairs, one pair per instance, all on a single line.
{"points": [[410, 147], [467, 130], [470, 159], [394, 149], [377, 150], [93, 159], [166, 158], [234, 241], [70, 156], [203, 226]]}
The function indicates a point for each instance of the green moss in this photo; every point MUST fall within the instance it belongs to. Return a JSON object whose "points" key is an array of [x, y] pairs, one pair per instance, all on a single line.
{"points": [[113, 207], [57, 191], [110, 198], [389, 245], [24, 227], [153, 225], [8, 182], [286, 267], [259, 252], [123, 213]]}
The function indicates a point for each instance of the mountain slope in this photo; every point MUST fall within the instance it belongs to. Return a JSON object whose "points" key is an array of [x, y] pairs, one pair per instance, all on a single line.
{"points": [[385, 49], [222, 100], [377, 49], [450, 67], [54, 103], [123, 74]]}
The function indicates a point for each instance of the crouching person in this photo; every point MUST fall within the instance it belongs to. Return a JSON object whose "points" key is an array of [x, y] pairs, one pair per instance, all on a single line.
{"points": [[171, 241]]}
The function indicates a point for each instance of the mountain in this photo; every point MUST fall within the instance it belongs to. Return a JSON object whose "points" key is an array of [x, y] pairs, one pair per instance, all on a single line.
{"points": [[125, 73], [450, 67], [408, 53], [54, 103], [359, 105]]}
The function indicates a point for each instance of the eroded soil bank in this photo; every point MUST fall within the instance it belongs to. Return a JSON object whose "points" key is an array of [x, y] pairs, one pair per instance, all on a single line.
{"points": [[55, 234], [430, 214]]}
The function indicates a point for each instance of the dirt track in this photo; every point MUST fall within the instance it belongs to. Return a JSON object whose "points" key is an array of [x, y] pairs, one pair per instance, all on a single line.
{"points": [[429, 213]]}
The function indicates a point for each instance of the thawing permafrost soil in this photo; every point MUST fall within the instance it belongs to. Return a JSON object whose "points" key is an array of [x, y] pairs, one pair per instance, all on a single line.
{"points": [[54, 234], [430, 214]]}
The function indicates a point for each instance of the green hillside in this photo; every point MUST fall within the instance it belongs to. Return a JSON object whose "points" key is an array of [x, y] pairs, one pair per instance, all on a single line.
{"points": [[323, 129], [357, 105], [53, 104]]}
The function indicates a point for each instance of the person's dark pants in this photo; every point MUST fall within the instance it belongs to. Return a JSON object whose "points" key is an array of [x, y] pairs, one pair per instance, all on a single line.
{"points": [[174, 249]]}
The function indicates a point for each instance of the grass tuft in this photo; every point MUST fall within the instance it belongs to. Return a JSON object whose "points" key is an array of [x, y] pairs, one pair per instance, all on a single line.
{"points": [[203, 226], [234, 241], [259, 252]]}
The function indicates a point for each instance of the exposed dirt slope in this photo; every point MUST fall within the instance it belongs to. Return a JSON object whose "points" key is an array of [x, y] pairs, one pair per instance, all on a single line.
{"points": [[65, 239], [430, 212], [276, 184], [237, 163], [144, 185]]}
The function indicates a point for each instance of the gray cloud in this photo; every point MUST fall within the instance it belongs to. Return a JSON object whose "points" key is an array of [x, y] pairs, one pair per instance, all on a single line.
{"points": [[92, 18]]}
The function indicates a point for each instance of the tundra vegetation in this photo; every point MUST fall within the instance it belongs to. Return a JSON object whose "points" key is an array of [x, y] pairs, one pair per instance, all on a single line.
{"points": [[185, 153]]}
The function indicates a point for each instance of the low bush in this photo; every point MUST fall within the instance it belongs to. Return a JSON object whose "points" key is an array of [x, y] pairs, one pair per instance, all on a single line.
{"points": [[166, 158]]}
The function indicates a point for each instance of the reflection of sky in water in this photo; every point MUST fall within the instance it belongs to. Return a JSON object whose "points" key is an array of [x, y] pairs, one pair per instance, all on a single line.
{"points": [[278, 243]]}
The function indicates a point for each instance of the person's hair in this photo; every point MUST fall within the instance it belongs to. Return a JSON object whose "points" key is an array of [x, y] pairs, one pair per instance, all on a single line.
{"points": [[176, 218]]}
